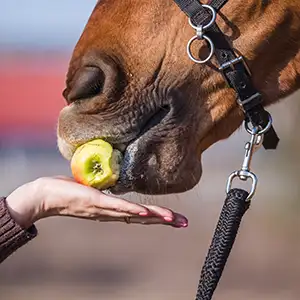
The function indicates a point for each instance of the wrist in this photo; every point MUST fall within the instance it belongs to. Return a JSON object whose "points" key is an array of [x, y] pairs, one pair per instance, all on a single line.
{"points": [[23, 205]]}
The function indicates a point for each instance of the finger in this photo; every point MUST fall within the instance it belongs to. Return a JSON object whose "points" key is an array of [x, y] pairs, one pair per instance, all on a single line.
{"points": [[104, 201], [175, 219], [109, 213], [179, 223], [180, 220], [110, 202], [163, 212]]}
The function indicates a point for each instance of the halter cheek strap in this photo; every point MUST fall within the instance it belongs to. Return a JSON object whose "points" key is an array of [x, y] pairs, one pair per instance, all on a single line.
{"points": [[234, 69]]}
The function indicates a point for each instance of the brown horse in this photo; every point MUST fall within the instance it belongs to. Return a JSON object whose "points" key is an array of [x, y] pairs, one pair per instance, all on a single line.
{"points": [[131, 82]]}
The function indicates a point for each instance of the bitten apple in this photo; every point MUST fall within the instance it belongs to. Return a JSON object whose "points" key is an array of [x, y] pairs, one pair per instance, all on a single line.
{"points": [[96, 164]]}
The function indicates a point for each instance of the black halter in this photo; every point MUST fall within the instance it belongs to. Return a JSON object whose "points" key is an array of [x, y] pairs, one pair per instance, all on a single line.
{"points": [[233, 68]]}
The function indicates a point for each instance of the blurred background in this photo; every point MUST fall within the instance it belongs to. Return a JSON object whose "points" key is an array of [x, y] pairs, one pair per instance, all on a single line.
{"points": [[74, 259]]}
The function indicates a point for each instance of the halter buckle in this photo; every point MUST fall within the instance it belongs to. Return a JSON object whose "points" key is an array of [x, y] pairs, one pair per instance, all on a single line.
{"points": [[233, 62]]}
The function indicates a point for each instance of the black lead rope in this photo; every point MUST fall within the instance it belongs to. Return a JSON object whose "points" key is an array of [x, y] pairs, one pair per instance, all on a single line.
{"points": [[234, 208], [238, 77]]}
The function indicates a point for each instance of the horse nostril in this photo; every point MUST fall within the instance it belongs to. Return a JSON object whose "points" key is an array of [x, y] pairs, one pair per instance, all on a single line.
{"points": [[98, 74], [87, 83]]}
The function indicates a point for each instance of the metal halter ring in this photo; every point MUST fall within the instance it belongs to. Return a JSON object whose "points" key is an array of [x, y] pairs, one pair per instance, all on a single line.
{"points": [[211, 22], [262, 131], [212, 49], [200, 36]]}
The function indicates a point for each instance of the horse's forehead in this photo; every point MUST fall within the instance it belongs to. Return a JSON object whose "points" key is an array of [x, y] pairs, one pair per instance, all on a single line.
{"points": [[128, 22], [135, 23]]}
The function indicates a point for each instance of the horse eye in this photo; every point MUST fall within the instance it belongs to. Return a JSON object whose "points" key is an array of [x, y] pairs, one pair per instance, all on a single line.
{"points": [[87, 83]]}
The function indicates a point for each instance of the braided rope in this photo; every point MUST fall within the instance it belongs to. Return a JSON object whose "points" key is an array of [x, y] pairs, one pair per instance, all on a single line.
{"points": [[226, 230]]}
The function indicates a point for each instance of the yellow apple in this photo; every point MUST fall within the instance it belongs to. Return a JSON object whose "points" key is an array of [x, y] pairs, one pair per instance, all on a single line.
{"points": [[96, 164]]}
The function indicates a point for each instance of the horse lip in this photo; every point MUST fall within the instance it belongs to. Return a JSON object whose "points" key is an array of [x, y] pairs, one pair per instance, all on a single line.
{"points": [[125, 184], [120, 146], [156, 119]]}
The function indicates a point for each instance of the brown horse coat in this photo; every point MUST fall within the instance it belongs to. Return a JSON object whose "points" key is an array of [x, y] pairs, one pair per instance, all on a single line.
{"points": [[131, 82]]}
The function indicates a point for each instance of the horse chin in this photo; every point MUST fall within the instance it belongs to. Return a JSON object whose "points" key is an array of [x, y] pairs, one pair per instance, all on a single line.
{"points": [[143, 172]]}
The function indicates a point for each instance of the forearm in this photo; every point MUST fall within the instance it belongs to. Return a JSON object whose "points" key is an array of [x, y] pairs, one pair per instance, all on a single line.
{"points": [[12, 235]]}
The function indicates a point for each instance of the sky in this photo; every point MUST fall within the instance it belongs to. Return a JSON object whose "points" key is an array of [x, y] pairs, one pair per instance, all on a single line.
{"points": [[44, 24]]}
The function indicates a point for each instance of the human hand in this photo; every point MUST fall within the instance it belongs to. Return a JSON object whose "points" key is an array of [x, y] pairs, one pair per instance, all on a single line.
{"points": [[62, 196]]}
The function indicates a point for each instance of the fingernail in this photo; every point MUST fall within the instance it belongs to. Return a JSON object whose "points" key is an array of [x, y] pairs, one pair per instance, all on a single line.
{"points": [[168, 219], [181, 225], [143, 214]]}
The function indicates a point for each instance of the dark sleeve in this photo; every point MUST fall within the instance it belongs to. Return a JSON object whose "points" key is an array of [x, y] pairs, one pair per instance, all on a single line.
{"points": [[12, 236]]}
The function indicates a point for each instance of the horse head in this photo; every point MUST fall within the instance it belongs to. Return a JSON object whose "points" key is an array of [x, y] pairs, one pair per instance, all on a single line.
{"points": [[131, 83]]}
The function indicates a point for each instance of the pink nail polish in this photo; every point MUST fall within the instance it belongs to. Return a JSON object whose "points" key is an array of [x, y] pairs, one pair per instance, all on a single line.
{"points": [[143, 214], [168, 219], [181, 225]]}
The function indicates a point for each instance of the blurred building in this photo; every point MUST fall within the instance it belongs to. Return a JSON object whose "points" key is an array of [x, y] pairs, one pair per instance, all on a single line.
{"points": [[36, 40]]}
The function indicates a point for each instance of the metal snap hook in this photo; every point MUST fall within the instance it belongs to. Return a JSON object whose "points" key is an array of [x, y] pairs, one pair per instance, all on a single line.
{"points": [[211, 45]]}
